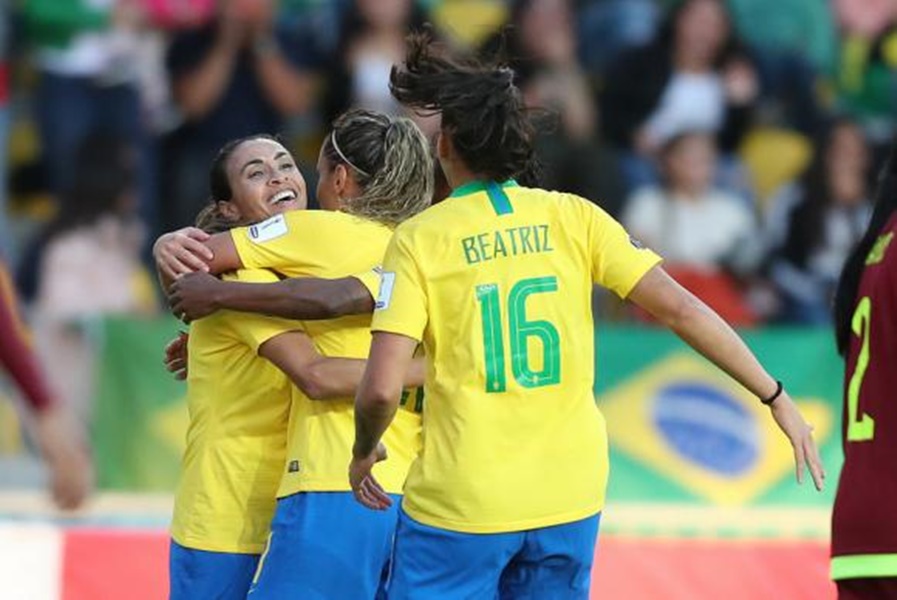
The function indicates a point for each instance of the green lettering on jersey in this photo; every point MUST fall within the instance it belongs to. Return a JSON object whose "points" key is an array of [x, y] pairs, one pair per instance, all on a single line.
{"points": [[512, 234], [485, 246], [546, 243], [470, 251], [525, 233], [499, 244]]}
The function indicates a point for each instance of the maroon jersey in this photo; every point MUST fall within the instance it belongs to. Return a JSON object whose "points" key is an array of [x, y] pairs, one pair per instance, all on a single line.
{"points": [[16, 355], [864, 521]]}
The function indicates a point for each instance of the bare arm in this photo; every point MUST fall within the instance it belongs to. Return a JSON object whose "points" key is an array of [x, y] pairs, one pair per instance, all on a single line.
{"points": [[179, 252], [381, 388], [375, 406], [198, 295], [706, 332], [319, 377], [189, 250], [322, 377]]}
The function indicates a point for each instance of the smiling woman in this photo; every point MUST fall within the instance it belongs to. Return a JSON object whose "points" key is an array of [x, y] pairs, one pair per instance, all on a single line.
{"points": [[264, 176]]}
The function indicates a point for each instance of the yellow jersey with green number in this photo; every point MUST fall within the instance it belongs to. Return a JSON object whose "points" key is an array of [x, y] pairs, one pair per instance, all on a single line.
{"points": [[236, 441], [321, 432], [496, 282]]}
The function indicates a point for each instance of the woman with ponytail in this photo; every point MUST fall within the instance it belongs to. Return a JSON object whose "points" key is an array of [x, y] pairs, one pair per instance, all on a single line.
{"points": [[864, 530], [374, 172], [496, 281]]}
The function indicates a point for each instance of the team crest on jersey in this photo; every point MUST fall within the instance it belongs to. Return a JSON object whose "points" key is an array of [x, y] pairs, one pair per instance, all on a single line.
{"points": [[268, 230]]}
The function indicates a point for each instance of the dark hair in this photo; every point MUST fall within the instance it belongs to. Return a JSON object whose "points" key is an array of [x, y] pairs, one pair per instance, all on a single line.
{"points": [[104, 171], [885, 206], [211, 220], [806, 229], [390, 160], [666, 33], [352, 26], [219, 184], [482, 110]]}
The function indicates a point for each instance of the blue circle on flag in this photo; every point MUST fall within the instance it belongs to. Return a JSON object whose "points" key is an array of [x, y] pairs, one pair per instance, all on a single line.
{"points": [[708, 427]]}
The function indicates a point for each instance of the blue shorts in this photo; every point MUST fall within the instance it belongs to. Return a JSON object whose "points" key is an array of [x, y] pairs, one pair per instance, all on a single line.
{"points": [[201, 574], [550, 563], [325, 545]]}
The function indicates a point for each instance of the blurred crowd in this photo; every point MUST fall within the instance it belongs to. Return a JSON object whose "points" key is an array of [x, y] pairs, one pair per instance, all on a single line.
{"points": [[738, 138]]}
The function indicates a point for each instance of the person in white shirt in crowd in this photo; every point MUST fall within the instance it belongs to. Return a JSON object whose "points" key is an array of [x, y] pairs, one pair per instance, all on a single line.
{"points": [[706, 234]]}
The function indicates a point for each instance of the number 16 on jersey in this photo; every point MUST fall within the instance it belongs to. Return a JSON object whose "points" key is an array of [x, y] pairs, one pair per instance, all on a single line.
{"points": [[520, 330]]}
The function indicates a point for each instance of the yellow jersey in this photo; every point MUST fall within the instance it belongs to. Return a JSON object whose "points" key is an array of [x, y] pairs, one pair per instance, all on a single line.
{"points": [[236, 442], [496, 282], [321, 432]]}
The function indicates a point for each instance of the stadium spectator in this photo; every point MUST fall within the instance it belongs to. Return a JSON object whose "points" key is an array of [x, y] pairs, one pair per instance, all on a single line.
{"points": [[695, 75], [703, 232], [813, 233], [687, 219], [88, 56], [89, 258], [371, 39], [237, 75], [793, 43], [609, 27], [59, 437], [866, 70], [541, 47]]}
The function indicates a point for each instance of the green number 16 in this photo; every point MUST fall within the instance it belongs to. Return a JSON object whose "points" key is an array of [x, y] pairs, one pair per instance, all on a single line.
{"points": [[519, 331]]}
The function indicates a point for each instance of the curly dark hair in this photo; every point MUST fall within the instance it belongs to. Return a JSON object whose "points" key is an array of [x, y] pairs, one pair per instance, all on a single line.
{"points": [[482, 109]]}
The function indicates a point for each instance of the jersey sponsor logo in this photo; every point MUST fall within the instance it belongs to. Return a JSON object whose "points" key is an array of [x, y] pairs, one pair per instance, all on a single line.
{"points": [[387, 282], [268, 230]]}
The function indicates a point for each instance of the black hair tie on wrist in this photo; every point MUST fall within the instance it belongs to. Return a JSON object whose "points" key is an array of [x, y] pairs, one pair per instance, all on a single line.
{"points": [[779, 389]]}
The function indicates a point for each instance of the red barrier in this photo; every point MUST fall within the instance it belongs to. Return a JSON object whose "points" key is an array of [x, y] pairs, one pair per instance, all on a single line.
{"points": [[113, 564], [683, 569], [102, 564]]}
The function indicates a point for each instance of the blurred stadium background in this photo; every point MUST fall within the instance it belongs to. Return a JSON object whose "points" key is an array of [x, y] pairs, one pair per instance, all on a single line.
{"points": [[739, 138]]}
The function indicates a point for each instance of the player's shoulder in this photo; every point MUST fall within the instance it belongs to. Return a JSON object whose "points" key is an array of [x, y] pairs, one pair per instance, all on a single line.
{"points": [[427, 220], [883, 251], [541, 197], [308, 223]]}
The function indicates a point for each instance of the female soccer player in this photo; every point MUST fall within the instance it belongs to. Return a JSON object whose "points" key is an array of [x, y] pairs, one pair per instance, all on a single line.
{"points": [[238, 402], [864, 530], [375, 171], [505, 498]]}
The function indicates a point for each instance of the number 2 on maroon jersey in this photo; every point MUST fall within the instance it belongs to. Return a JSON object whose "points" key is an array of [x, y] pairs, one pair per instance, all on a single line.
{"points": [[860, 427]]}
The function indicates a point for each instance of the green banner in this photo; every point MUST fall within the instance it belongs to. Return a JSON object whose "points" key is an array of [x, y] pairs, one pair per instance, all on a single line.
{"points": [[140, 413], [682, 433]]}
